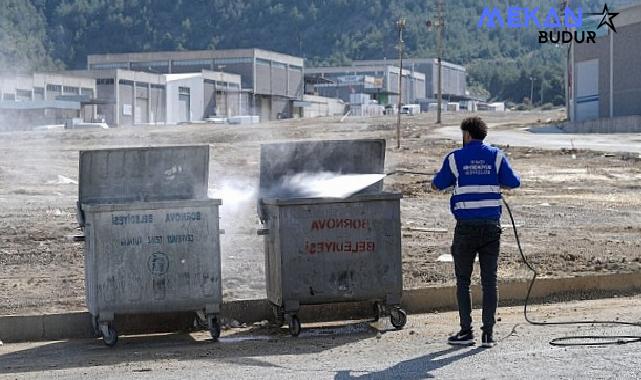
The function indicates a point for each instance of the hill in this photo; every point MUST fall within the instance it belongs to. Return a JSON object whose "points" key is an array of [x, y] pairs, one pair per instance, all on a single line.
{"points": [[47, 33]]}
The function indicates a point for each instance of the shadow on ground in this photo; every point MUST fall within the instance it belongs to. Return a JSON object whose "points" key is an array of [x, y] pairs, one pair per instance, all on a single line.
{"points": [[417, 368], [238, 348]]}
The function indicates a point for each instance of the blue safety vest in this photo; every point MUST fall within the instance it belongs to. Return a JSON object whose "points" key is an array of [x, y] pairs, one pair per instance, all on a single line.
{"points": [[477, 172]]}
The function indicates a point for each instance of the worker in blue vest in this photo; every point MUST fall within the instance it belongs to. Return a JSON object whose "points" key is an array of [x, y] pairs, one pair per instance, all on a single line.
{"points": [[476, 172]]}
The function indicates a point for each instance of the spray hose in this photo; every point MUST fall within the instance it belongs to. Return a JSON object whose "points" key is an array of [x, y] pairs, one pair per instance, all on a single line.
{"points": [[578, 340]]}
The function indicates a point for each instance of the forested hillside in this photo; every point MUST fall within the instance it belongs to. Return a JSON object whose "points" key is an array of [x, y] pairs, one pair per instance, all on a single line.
{"points": [[51, 33]]}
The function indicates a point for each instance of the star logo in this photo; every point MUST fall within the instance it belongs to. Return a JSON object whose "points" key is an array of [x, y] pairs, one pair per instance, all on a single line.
{"points": [[606, 18]]}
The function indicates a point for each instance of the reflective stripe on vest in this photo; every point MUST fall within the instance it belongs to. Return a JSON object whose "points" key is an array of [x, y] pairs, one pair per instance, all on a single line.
{"points": [[477, 204], [499, 159], [475, 189]]}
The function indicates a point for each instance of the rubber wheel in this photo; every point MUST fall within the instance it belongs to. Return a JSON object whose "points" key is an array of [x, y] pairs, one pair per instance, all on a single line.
{"points": [[214, 328], [111, 338], [294, 326], [398, 318]]}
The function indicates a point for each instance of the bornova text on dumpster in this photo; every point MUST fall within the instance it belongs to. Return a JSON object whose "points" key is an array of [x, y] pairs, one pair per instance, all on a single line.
{"points": [[339, 244], [151, 234]]}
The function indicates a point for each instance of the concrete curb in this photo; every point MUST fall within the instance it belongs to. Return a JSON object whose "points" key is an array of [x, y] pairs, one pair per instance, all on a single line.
{"points": [[19, 328]]}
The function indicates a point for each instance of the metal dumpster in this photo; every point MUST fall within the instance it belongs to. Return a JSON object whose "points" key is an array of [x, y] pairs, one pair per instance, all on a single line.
{"points": [[326, 250], [151, 234]]}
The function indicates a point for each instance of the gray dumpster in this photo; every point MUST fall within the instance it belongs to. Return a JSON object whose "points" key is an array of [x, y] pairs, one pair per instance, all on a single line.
{"points": [[151, 234], [327, 250]]}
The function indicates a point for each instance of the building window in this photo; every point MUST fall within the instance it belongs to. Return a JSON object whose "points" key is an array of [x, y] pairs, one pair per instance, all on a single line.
{"points": [[71, 90], [295, 68], [8, 96], [109, 66], [87, 91], [183, 90], [152, 67], [158, 86], [23, 94], [203, 62], [126, 82], [54, 88], [260, 61], [229, 61], [105, 81]]}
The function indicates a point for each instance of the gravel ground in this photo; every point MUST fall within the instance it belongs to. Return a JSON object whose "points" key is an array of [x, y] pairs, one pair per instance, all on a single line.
{"points": [[578, 211], [355, 350]]}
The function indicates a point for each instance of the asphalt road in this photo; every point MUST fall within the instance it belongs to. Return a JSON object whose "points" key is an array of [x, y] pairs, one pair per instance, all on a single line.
{"points": [[357, 350], [614, 142]]}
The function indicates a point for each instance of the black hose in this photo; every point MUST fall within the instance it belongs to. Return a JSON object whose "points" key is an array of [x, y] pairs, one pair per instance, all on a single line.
{"points": [[579, 340]]}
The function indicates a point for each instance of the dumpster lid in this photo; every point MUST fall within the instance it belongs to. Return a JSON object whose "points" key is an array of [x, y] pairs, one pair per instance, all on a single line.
{"points": [[385, 196], [123, 175], [283, 160]]}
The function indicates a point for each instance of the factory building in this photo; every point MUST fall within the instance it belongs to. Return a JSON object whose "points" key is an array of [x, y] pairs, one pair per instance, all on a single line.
{"points": [[132, 97], [271, 82], [378, 81], [604, 80], [46, 98], [452, 79]]}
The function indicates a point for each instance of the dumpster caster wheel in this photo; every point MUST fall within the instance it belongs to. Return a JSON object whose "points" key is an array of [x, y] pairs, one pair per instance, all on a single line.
{"points": [[294, 325], [214, 327], [398, 318], [109, 335]]}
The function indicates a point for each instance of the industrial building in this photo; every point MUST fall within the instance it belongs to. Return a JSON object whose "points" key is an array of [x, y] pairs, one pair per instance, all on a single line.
{"points": [[271, 82], [379, 81], [452, 79], [604, 78], [46, 98], [131, 97]]}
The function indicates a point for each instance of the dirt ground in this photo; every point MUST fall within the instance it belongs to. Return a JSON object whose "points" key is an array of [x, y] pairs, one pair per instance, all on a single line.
{"points": [[578, 211]]}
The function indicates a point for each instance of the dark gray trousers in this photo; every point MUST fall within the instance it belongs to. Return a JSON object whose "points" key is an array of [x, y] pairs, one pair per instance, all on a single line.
{"points": [[482, 237]]}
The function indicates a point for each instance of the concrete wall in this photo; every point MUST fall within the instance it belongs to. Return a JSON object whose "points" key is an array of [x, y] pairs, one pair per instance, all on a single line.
{"points": [[279, 79], [196, 100], [627, 70], [295, 82], [263, 78]]}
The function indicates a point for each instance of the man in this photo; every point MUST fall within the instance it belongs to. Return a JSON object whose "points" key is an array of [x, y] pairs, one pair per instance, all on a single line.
{"points": [[477, 172]]}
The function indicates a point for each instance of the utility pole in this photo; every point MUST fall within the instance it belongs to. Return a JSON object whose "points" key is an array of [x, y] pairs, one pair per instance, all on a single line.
{"points": [[400, 25], [541, 95], [439, 24], [566, 70], [531, 92]]}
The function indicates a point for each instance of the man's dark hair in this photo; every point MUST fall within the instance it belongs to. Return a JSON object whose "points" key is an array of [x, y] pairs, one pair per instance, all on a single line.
{"points": [[475, 126]]}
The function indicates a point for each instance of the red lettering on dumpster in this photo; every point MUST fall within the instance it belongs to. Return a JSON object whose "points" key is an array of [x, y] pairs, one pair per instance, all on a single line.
{"points": [[315, 247], [336, 223]]}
